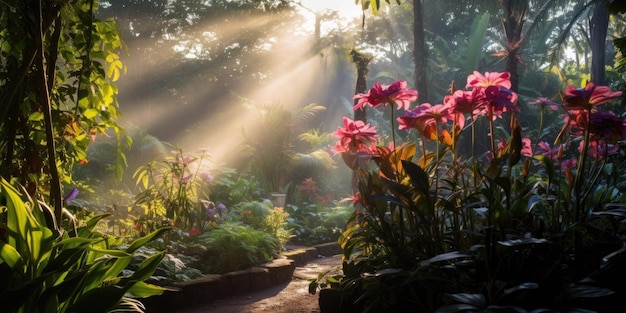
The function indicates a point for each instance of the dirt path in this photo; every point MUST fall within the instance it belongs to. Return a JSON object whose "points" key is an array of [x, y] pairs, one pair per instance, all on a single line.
{"points": [[292, 297]]}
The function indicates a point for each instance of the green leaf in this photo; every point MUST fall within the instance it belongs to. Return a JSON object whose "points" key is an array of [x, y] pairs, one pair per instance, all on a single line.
{"points": [[143, 290], [9, 255], [476, 41], [143, 240], [475, 299], [37, 116], [418, 177], [90, 113], [99, 299]]}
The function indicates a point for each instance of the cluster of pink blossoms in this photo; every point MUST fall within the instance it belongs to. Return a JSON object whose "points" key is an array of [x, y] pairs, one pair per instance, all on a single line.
{"points": [[604, 127], [484, 95]]}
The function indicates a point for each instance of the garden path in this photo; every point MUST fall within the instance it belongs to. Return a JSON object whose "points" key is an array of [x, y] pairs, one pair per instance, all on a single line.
{"points": [[290, 297]]}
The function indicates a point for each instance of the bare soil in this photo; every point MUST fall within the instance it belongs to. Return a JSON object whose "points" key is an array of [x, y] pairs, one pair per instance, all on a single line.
{"points": [[291, 297]]}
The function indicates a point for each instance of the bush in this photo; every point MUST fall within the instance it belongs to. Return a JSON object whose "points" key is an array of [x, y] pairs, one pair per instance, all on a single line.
{"points": [[233, 247], [314, 224], [46, 269]]}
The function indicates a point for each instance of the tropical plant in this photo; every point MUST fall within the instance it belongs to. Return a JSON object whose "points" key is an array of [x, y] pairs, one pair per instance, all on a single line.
{"points": [[175, 190], [508, 224], [271, 148], [51, 270], [59, 63], [233, 246]]}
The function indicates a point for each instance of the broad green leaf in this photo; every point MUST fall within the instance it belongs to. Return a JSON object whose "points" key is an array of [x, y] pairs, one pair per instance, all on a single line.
{"points": [[9, 255], [418, 177], [475, 299], [99, 300], [143, 240], [148, 266], [90, 113], [143, 290], [476, 42], [111, 252]]}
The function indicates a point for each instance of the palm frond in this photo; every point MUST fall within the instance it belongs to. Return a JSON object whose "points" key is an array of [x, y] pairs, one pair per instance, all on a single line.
{"points": [[318, 159], [316, 138]]}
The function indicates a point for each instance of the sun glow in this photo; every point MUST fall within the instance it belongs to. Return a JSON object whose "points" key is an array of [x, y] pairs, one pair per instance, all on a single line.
{"points": [[344, 8], [203, 117]]}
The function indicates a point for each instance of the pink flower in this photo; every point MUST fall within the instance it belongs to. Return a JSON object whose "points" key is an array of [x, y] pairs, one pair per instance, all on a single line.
{"points": [[545, 102], [527, 149], [206, 177], [186, 159], [599, 149], [607, 126], [489, 79], [466, 102], [569, 163], [496, 90], [546, 150], [601, 125], [384, 95], [355, 137], [426, 118], [587, 98], [501, 100]]}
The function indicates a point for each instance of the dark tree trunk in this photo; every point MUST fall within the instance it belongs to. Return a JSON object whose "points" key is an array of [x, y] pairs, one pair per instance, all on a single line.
{"points": [[598, 28], [361, 61], [512, 24], [419, 51]]}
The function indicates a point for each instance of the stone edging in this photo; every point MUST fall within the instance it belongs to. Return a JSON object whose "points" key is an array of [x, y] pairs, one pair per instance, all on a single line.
{"points": [[209, 288]]}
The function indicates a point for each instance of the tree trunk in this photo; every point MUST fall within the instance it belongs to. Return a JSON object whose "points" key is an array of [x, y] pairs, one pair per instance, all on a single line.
{"points": [[513, 23], [361, 61], [419, 51], [598, 28]]}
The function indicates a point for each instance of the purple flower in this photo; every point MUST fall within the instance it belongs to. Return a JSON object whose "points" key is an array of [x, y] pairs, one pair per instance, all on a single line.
{"points": [[71, 195], [211, 213], [221, 206]]}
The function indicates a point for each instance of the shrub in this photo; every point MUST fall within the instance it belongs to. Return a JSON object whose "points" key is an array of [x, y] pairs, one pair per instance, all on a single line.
{"points": [[501, 229], [233, 246], [50, 270]]}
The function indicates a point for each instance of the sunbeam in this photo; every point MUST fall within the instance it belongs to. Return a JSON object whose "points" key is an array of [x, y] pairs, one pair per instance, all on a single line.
{"points": [[201, 113]]}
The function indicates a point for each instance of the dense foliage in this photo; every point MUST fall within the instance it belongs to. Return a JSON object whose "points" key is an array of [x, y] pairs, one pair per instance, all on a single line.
{"points": [[452, 230]]}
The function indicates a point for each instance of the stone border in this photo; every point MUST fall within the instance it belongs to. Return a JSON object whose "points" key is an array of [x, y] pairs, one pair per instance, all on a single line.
{"points": [[213, 287]]}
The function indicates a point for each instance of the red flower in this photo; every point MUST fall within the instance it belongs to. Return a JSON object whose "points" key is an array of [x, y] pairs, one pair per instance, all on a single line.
{"points": [[194, 232], [587, 98], [356, 136], [384, 95]]}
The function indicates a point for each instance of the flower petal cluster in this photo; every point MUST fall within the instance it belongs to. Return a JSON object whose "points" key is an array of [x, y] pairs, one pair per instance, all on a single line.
{"points": [[426, 118], [544, 102], [355, 137], [397, 93], [490, 92], [589, 97], [489, 79], [466, 102]]}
